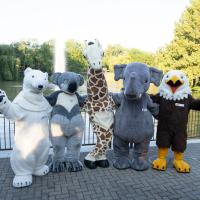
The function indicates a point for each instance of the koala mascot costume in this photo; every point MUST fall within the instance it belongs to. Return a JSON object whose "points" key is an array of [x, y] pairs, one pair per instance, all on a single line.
{"points": [[31, 112], [66, 123], [175, 102], [133, 118]]}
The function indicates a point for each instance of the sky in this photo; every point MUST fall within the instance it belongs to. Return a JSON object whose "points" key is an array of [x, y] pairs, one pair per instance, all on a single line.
{"points": [[143, 24]]}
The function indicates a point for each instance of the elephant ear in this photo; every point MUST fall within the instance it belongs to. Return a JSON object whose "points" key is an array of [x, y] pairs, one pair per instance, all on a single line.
{"points": [[119, 71], [55, 77], [155, 76]]}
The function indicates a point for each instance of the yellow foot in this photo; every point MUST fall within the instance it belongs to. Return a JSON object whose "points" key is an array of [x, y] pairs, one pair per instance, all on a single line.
{"points": [[159, 164], [181, 166]]}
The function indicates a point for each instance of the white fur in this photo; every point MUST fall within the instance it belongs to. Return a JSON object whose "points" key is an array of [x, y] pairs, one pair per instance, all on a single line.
{"points": [[182, 92], [67, 101], [31, 112], [94, 54]]}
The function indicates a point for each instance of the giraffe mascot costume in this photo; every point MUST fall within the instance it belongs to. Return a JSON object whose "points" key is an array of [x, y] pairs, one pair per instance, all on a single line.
{"points": [[98, 105]]}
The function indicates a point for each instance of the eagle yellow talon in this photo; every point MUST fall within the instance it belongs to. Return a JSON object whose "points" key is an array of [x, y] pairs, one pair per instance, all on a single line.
{"points": [[179, 164], [159, 164]]}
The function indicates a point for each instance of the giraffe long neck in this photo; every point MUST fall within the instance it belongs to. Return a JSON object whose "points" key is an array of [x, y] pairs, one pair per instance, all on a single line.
{"points": [[97, 88]]}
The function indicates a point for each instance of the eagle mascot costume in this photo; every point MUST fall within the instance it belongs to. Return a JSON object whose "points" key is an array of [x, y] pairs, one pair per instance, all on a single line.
{"points": [[175, 102]]}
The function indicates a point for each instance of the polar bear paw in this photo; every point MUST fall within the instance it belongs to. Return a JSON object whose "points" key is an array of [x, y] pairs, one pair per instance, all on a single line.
{"points": [[42, 171], [3, 97], [22, 181]]}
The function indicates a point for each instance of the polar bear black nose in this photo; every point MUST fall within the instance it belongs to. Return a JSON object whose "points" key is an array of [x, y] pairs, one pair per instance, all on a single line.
{"points": [[40, 87]]}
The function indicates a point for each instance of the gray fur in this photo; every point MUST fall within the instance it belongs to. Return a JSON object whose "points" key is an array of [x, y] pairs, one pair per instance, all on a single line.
{"points": [[66, 126], [133, 118], [64, 79]]}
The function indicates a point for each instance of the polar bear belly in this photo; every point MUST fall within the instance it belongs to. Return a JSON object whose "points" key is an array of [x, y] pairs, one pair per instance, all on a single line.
{"points": [[31, 142]]}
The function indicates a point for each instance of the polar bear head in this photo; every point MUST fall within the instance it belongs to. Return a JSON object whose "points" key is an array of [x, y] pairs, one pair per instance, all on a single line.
{"points": [[35, 80]]}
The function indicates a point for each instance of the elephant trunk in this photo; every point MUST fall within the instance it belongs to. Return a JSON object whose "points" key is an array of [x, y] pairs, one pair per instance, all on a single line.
{"points": [[132, 87]]}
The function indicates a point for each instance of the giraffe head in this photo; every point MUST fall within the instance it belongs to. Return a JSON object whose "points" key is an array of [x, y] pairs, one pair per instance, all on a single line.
{"points": [[93, 52]]}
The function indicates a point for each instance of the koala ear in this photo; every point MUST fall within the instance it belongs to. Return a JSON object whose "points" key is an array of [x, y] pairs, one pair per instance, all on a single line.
{"points": [[27, 70], [81, 79], [119, 71], [54, 77], [155, 76]]}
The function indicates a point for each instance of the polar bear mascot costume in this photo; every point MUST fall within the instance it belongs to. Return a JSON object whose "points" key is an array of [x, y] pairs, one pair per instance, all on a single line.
{"points": [[30, 111]]}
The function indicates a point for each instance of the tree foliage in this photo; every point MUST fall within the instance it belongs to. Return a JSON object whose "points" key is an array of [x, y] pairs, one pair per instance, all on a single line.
{"points": [[14, 58], [75, 59], [183, 53], [116, 54]]}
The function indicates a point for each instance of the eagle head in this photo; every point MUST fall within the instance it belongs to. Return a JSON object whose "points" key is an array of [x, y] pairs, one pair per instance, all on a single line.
{"points": [[174, 85]]}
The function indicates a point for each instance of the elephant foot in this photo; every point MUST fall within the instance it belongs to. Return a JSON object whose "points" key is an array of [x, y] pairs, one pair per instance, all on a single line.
{"points": [[122, 163], [42, 171], [74, 165], [159, 164], [181, 166], [139, 164], [22, 181], [57, 166]]}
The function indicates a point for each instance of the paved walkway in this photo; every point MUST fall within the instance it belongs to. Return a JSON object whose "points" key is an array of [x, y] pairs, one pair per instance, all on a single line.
{"points": [[110, 184]]}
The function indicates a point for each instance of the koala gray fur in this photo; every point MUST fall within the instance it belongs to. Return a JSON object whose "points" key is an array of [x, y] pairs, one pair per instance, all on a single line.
{"points": [[66, 122]]}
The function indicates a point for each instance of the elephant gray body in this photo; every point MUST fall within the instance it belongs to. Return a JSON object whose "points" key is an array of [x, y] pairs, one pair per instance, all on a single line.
{"points": [[133, 118], [139, 125]]}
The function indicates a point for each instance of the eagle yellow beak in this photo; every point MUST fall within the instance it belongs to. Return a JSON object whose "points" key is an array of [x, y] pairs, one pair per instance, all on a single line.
{"points": [[174, 82]]}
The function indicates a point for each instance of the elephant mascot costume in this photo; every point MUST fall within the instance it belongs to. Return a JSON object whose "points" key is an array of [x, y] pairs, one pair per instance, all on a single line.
{"points": [[133, 118]]}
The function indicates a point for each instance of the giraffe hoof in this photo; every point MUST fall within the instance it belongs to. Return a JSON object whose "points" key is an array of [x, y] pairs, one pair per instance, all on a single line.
{"points": [[102, 163], [90, 164]]}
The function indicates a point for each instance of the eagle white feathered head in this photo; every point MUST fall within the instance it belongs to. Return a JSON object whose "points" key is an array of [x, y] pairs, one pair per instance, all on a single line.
{"points": [[174, 86]]}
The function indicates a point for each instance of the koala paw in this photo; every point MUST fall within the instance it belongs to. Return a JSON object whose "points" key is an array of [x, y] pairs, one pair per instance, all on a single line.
{"points": [[57, 166], [74, 166], [2, 96]]}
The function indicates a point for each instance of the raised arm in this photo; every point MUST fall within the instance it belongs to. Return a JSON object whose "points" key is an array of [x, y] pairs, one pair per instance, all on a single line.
{"points": [[10, 110]]}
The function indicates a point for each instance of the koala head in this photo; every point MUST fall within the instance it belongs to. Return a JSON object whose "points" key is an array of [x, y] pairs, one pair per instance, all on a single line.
{"points": [[67, 81], [35, 80]]}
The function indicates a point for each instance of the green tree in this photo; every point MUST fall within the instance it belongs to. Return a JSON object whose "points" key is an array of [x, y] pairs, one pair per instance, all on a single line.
{"points": [[183, 53], [75, 58], [116, 54]]}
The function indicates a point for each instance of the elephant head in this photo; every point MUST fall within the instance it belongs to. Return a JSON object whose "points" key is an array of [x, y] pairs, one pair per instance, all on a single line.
{"points": [[137, 78]]}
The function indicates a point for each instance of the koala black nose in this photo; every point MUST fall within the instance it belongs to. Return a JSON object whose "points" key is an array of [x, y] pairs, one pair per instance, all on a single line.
{"points": [[40, 87], [72, 87]]}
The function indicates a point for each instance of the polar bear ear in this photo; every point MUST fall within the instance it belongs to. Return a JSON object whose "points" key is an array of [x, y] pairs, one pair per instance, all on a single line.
{"points": [[46, 74], [27, 70], [55, 77]]}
